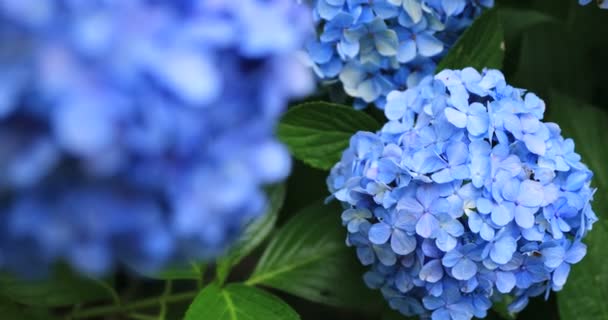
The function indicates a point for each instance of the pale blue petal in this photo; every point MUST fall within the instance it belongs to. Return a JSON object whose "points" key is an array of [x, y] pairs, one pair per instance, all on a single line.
{"points": [[505, 281], [501, 215], [531, 193], [432, 271], [455, 117], [413, 9], [535, 144], [465, 269], [379, 233], [576, 253], [402, 243], [451, 258], [427, 225], [428, 46], [524, 217], [410, 205], [442, 176], [553, 256], [396, 105], [560, 275], [387, 43], [407, 51], [503, 250]]}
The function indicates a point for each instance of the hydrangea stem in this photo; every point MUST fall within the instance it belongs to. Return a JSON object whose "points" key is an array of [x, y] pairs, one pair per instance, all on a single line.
{"points": [[137, 305]]}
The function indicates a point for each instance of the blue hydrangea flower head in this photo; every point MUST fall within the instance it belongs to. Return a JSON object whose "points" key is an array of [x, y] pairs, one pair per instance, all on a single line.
{"points": [[375, 47], [464, 196], [601, 4], [140, 132]]}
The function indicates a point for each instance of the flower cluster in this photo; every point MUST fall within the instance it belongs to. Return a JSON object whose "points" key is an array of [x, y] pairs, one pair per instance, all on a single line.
{"points": [[601, 4], [463, 197], [374, 47], [140, 132]]}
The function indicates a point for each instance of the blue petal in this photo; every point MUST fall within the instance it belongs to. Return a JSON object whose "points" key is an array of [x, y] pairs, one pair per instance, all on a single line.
{"points": [[524, 217], [402, 243], [427, 225], [349, 49], [505, 281], [501, 215], [432, 271], [451, 258], [576, 253], [413, 9], [396, 105], [365, 255], [553, 256], [379, 233], [428, 46], [387, 43], [560, 275], [531, 193], [386, 256], [407, 51], [465, 269], [443, 176], [503, 250], [535, 144], [410, 205]]}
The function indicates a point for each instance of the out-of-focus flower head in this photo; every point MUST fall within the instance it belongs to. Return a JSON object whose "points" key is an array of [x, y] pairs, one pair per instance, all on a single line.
{"points": [[464, 196], [600, 3], [374, 47], [140, 132]]}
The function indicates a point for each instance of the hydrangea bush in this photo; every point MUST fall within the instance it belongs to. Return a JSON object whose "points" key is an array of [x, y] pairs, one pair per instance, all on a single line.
{"points": [[464, 196], [140, 131], [374, 47]]}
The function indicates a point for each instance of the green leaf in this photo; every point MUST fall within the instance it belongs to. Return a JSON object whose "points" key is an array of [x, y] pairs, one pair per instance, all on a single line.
{"points": [[308, 258], [318, 132], [238, 302], [516, 21], [542, 50], [254, 234], [188, 271], [61, 289], [480, 46], [12, 311], [586, 292]]}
